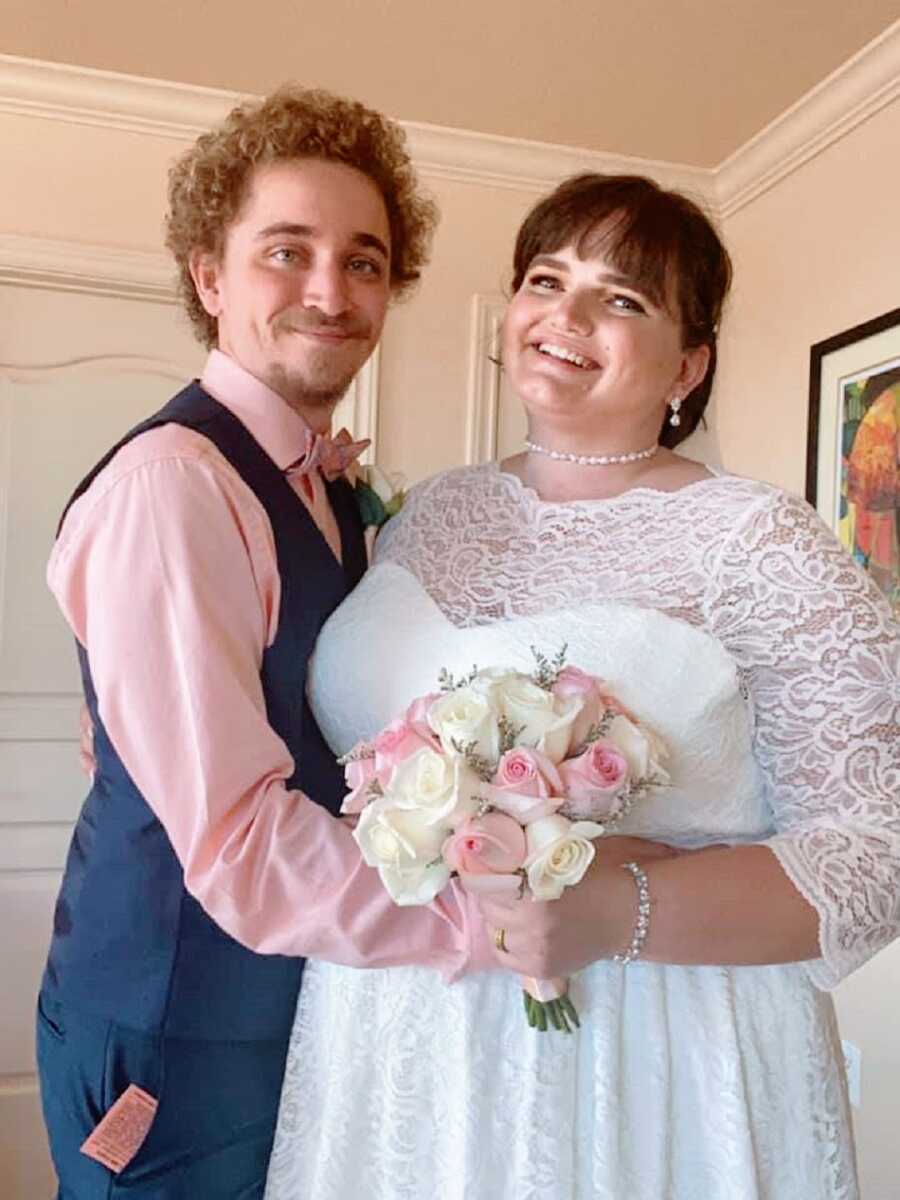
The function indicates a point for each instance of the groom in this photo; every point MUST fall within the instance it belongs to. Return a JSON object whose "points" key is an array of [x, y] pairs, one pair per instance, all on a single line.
{"points": [[196, 564]]}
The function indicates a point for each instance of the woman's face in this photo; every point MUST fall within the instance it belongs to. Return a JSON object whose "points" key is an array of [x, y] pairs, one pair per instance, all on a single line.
{"points": [[586, 350]]}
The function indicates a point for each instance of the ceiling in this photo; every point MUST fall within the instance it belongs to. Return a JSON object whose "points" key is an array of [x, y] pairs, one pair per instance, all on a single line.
{"points": [[685, 81]]}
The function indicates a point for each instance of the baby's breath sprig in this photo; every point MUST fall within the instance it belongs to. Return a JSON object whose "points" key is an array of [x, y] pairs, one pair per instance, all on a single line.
{"points": [[598, 730], [484, 806], [509, 733], [477, 763], [548, 670], [630, 796], [360, 751], [447, 683]]}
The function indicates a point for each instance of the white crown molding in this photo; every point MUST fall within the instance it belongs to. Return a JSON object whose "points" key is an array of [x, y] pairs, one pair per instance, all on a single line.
{"points": [[74, 267], [83, 96], [852, 94], [494, 161]]}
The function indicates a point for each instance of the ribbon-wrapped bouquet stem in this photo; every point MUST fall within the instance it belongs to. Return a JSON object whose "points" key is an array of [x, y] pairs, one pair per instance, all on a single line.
{"points": [[504, 779]]}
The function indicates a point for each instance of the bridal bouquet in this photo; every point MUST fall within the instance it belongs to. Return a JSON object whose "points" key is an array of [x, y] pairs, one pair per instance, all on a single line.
{"points": [[500, 776]]}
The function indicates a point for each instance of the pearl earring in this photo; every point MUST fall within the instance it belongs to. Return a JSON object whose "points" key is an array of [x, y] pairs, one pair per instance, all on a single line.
{"points": [[675, 405]]}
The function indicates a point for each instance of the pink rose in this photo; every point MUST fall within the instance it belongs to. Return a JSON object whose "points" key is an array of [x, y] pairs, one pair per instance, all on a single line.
{"points": [[395, 743], [527, 785], [490, 845], [417, 716], [358, 774], [594, 781], [574, 684], [528, 773]]}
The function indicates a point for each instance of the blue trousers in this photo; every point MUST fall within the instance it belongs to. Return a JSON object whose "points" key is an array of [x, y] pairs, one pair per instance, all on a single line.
{"points": [[212, 1134]]}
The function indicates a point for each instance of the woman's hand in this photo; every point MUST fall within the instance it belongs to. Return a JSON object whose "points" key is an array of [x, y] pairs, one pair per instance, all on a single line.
{"points": [[593, 920], [730, 905]]}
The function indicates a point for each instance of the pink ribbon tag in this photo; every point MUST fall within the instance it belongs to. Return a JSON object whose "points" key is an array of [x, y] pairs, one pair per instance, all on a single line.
{"points": [[545, 989], [120, 1134]]}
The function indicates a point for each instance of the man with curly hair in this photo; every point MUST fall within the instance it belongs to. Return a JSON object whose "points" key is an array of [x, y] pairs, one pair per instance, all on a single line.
{"points": [[195, 565]]}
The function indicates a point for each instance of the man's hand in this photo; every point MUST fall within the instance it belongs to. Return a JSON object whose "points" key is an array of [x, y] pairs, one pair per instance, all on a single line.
{"points": [[593, 920], [86, 759]]}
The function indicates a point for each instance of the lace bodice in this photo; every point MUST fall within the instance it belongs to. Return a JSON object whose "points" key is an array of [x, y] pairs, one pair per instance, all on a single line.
{"points": [[815, 650]]}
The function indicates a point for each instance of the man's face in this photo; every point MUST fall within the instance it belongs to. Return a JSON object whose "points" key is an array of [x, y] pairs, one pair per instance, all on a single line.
{"points": [[302, 287]]}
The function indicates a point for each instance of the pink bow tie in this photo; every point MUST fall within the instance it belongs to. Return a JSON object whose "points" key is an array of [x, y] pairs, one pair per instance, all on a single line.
{"points": [[331, 455]]}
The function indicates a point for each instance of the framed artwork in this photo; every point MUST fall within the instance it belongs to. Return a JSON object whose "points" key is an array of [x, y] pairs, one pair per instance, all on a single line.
{"points": [[853, 453]]}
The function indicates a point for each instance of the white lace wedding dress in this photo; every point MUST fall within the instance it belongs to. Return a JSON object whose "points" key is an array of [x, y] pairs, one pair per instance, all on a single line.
{"points": [[728, 617]]}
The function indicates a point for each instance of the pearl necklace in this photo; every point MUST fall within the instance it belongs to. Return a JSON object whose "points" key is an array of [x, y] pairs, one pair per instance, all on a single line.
{"points": [[593, 460]]}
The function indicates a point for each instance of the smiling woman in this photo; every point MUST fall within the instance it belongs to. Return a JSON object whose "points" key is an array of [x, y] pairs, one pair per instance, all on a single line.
{"points": [[590, 353], [618, 294], [658, 255], [724, 615]]}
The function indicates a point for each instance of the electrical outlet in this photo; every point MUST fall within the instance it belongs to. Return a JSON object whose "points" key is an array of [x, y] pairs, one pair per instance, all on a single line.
{"points": [[853, 1068]]}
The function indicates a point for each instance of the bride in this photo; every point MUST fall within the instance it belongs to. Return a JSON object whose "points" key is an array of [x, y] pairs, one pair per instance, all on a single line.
{"points": [[726, 615]]}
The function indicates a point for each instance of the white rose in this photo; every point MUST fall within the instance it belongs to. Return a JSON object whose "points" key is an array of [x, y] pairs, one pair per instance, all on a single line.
{"points": [[556, 740], [559, 853], [465, 716], [379, 483], [415, 885], [386, 487], [525, 706], [400, 838], [488, 677], [442, 789], [546, 722], [642, 749]]}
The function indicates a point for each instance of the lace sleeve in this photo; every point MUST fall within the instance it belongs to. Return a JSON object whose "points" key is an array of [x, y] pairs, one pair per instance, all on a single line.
{"points": [[820, 654]]}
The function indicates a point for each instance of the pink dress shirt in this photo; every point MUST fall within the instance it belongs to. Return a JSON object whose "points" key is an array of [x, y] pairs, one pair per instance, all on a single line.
{"points": [[165, 570]]}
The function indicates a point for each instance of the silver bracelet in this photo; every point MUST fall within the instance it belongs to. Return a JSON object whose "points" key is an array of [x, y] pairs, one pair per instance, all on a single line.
{"points": [[642, 924]]}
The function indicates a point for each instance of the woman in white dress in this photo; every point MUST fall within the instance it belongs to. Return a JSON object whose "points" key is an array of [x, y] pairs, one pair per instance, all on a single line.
{"points": [[728, 617]]}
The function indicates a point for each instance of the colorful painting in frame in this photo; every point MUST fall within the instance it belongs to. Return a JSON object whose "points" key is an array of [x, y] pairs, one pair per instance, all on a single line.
{"points": [[853, 455]]}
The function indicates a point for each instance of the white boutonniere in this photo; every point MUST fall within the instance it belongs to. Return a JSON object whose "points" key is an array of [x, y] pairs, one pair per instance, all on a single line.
{"points": [[379, 497]]}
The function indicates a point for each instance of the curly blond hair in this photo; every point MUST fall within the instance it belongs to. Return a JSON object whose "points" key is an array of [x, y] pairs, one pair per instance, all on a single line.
{"points": [[207, 185]]}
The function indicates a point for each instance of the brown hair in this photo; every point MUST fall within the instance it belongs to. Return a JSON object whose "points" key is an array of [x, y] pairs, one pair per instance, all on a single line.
{"points": [[662, 240], [207, 185]]}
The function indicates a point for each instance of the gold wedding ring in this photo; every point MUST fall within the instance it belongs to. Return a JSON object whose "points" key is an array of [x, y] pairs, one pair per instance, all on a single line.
{"points": [[500, 940]]}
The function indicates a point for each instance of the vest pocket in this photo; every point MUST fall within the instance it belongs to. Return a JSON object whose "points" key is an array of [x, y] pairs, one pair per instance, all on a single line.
{"points": [[133, 1057], [50, 1018]]}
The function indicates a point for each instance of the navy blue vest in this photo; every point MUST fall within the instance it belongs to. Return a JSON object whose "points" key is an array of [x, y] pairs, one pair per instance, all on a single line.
{"points": [[129, 943]]}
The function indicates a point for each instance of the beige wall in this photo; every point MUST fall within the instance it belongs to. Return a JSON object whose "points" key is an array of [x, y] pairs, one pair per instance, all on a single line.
{"points": [[818, 253], [84, 184], [425, 358]]}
